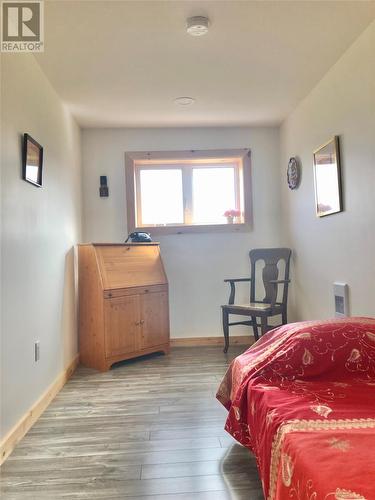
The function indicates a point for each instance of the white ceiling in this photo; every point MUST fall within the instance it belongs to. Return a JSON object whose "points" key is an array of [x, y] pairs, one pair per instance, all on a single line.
{"points": [[122, 63]]}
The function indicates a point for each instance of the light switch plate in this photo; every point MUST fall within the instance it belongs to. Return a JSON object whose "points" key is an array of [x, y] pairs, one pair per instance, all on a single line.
{"points": [[36, 351]]}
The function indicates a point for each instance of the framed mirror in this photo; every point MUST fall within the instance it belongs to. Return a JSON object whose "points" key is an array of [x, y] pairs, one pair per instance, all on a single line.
{"points": [[327, 175]]}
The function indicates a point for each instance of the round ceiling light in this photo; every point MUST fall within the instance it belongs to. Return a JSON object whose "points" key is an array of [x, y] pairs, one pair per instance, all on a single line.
{"points": [[184, 101], [197, 25]]}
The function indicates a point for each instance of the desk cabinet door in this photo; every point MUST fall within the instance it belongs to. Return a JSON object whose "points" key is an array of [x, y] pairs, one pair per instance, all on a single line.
{"points": [[122, 331], [154, 319]]}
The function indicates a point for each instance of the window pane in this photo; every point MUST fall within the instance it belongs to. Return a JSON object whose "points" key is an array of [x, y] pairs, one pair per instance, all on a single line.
{"points": [[213, 194], [161, 196]]}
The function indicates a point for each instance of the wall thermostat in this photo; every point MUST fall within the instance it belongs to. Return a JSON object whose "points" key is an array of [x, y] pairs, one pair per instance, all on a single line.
{"points": [[103, 189], [341, 294]]}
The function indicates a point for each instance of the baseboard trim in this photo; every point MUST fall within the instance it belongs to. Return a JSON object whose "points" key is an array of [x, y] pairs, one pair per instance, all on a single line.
{"points": [[219, 341], [15, 435]]}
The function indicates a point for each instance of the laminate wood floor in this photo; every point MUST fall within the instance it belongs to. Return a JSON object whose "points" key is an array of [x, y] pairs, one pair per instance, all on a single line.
{"points": [[147, 429]]}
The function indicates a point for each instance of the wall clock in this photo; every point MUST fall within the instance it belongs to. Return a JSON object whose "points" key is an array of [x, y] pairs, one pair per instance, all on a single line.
{"points": [[293, 173]]}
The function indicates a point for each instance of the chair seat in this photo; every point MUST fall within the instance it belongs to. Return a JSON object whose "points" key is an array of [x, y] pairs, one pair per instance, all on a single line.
{"points": [[256, 307]]}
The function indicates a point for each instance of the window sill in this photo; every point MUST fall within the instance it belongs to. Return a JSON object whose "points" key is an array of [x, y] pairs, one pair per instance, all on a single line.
{"points": [[204, 228]]}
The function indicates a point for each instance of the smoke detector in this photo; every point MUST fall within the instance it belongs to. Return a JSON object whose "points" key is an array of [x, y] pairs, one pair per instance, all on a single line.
{"points": [[184, 101], [197, 25]]}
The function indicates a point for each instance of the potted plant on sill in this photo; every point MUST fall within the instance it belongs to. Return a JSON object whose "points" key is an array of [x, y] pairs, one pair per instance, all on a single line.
{"points": [[231, 215]]}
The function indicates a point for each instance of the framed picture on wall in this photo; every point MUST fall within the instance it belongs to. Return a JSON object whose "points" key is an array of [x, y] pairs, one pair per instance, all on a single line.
{"points": [[327, 175], [32, 161]]}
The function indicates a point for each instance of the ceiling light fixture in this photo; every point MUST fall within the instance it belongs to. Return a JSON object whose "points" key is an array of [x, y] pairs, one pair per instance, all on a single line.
{"points": [[184, 101], [197, 25]]}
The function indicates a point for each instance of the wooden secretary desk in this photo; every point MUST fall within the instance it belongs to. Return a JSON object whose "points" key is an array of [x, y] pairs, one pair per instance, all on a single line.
{"points": [[123, 303]]}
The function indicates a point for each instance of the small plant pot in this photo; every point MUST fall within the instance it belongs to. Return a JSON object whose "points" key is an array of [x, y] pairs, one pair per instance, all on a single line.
{"points": [[230, 220]]}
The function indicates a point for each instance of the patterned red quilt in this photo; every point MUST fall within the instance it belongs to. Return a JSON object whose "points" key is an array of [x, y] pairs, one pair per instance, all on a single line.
{"points": [[303, 400]]}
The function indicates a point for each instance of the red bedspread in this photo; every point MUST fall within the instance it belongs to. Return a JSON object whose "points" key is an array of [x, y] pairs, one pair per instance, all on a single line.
{"points": [[303, 400]]}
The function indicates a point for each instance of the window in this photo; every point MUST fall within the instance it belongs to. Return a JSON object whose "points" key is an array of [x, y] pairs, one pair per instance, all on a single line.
{"points": [[188, 191]]}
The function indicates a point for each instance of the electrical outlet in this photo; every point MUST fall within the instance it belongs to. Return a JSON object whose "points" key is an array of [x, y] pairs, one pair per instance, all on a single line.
{"points": [[36, 351]]}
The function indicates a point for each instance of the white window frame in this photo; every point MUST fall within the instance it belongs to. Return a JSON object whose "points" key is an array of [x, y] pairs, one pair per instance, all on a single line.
{"points": [[186, 161]]}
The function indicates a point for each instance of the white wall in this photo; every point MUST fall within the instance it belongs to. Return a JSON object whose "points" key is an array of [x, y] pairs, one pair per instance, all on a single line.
{"points": [[342, 246], [196, 264], [39, 228]]}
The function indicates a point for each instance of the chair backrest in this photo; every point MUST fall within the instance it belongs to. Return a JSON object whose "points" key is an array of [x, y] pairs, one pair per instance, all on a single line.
{"points": [[271, 258]]}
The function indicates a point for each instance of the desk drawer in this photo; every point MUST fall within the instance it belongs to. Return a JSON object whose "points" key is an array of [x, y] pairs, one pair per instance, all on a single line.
{"points": [[138, 290]]}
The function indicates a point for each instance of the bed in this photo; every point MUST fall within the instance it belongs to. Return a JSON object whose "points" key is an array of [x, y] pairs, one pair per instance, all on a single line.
{"points": [[302, 399]]}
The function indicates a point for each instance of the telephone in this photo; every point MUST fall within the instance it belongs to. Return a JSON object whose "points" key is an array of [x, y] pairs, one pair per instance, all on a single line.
{"points": [[138, 237]]}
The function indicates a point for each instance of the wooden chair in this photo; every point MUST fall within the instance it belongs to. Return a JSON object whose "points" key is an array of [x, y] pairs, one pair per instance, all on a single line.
{"points": [[268, 306]]}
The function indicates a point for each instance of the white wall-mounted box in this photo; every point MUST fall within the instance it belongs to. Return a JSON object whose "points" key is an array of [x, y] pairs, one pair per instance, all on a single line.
{"points": [[341, 296]]}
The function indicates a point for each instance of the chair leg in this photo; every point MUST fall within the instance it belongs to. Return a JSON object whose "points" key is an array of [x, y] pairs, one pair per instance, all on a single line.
{"points": [[263, 322], [284, 318], [226, 329], [255, 327]]}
